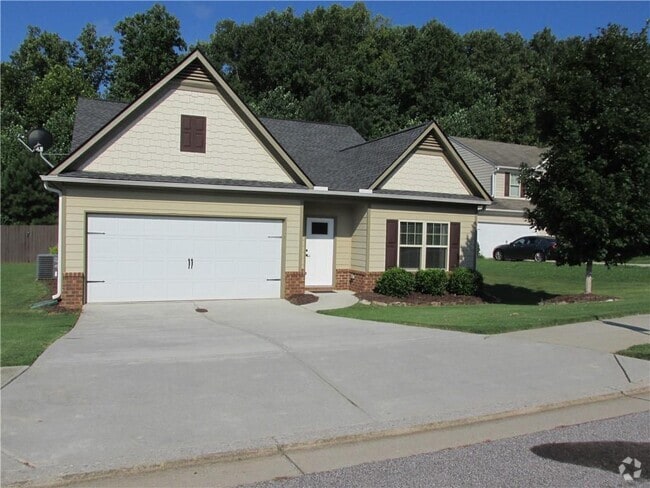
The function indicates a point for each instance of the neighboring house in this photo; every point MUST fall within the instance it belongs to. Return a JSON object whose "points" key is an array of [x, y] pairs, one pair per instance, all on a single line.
{"points": [[497, 166], [186, 194]]}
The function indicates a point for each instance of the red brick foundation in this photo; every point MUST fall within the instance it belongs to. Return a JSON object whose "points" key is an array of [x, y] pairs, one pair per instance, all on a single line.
{"points": [[342, 279], [362, 281], [72, 296], [294, 283]]}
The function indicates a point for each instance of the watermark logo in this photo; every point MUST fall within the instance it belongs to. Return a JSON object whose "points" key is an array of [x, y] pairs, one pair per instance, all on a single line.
{"points": [[630, 469]]}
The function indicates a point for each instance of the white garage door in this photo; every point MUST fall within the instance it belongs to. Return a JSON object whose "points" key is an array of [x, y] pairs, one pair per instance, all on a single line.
{"points": [[491, 235], [143, 258]]}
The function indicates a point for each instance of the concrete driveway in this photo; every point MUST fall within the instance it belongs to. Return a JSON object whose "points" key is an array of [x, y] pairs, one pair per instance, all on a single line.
{"points": [[144, 384]]}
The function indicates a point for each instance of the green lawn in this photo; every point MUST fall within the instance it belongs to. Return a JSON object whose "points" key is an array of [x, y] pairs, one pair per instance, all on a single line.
{"points": [[25, 333], [520, 286], [640, 260], [640, 351]]}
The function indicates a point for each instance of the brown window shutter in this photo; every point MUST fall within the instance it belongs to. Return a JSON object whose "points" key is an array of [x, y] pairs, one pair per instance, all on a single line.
{"points": [[186, 133], [522, 191], [193, 133], [392, 236], [506, 190], [198, 134], [454, 245]]}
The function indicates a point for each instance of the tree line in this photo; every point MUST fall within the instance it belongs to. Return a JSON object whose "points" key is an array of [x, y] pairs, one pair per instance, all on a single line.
{"points": [[585, 97]]}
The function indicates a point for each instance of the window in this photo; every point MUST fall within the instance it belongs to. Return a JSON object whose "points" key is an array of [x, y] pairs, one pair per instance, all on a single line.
{"points": [[319, 228], [416, 252], [192, 134], [514, 188], [437, 242]]}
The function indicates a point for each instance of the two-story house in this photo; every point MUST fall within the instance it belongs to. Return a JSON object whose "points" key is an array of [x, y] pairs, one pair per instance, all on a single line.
{"points": [[497, 166]]}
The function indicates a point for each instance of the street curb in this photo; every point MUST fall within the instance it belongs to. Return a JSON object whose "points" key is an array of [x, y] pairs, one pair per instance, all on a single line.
{"points": [[282, 449], [10, 373]]}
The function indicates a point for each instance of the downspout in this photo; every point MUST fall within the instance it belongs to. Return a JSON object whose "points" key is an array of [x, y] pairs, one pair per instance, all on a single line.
{"points": [[59, 272], [494, 181]]}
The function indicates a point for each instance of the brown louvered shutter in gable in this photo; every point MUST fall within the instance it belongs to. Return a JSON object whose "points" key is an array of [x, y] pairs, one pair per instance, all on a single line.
{"points": [[506, 189], [392, 236], [454, 245], [193, 133], [198, 134]]}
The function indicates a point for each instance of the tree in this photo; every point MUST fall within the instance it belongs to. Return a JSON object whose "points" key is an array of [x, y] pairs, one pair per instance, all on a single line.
{"points": [[594, 191], [96, 60], [151, 43]]}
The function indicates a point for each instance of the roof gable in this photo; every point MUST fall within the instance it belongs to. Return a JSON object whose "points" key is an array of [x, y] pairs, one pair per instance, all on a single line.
{"points": [[505, 154], [430, 160], [192, 87]]}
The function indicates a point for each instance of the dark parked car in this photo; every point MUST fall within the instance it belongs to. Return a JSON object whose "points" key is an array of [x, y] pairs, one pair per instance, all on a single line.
{"points": [[539, 248]]}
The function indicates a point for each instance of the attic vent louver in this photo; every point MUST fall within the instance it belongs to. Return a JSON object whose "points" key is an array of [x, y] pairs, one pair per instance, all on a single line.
{"points": [[194, 72], [430, 144], [46, 266]]}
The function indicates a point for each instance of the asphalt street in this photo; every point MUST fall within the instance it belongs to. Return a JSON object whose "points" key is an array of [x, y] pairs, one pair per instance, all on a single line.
{"points": [[504, 463]]}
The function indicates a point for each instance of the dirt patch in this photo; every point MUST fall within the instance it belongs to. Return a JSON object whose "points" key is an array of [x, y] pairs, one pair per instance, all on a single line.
{"points": [[608, 456], [371, 297], [581, 298], [302, 298]]}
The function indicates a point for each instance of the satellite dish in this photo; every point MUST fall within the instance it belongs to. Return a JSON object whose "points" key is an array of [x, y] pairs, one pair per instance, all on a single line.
{"points": [[39, 139]]}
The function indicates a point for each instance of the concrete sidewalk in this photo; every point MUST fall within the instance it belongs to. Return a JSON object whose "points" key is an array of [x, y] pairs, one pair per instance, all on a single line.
{"points": [[608, 335], [144, 385]]}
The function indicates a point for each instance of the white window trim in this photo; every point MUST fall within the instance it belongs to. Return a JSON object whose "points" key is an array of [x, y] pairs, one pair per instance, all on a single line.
{"points": [[423, 247], [510, 195]]}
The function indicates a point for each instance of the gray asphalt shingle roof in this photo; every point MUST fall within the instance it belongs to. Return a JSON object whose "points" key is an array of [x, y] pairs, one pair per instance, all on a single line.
{"points": [[331, 155], [503, 153], [90, 117]]}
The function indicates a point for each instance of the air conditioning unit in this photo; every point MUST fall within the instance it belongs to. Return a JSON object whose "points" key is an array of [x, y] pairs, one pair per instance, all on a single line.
{"points": [[46, 266]]}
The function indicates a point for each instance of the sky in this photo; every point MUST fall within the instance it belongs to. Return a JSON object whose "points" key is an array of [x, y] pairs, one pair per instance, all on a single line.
{"points": [[199, 18]]}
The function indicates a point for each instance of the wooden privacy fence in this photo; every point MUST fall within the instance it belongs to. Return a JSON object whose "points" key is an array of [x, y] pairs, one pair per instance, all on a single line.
{"points": [[21, 243]]}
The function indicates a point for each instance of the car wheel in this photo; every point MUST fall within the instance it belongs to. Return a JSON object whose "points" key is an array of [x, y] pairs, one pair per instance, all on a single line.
{"points": [[539, 257], [498, 255]]}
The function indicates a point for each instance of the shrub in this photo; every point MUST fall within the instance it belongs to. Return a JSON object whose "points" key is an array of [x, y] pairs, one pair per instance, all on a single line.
{"points": [[395, 282], [464, 281], [431, 281]]}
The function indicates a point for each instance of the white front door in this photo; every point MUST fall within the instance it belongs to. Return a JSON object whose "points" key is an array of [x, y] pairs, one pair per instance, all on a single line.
{"points": [[319, 261]]}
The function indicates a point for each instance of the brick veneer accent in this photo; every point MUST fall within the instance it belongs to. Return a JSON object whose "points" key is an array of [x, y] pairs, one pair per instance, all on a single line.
{"points": [[362, 281], [72, 296], [294, 283], [342, 279]]}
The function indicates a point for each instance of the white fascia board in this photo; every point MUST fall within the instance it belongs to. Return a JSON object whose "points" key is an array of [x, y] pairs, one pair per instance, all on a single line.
{"points": [[253, 189]]}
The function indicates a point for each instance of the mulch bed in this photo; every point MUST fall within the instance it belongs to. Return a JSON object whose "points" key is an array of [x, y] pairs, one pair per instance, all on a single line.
{"points": [[581, 298], [302, 298], [418, 299]]}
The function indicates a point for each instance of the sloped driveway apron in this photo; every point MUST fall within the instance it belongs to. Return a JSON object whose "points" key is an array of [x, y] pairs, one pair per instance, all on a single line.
{"points": [[143, 384]]}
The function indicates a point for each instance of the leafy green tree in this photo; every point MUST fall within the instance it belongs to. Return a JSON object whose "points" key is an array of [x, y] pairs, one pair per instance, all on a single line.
{"points": [[594, 192], [95, 59], [278, 103], [151, 43]]}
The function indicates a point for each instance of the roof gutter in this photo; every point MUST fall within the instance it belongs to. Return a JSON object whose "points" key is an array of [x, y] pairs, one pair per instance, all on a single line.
{"points": [[255, 189]]}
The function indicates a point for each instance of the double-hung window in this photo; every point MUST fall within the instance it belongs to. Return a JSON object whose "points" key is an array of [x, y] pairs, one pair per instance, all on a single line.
{"points": [[515, 188], [423, 245]]}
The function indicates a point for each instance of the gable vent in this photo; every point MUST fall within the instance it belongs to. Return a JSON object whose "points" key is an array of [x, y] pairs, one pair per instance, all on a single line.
{"points": [[430, 143], [194, 72]]}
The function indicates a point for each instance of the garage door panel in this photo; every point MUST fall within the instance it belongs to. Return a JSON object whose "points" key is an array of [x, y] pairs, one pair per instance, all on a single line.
{"points": [[146, 258]]}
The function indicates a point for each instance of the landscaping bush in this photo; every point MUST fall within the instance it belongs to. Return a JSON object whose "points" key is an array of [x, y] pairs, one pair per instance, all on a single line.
{"points": [[431, 281], [465, 281], [395, 282]]}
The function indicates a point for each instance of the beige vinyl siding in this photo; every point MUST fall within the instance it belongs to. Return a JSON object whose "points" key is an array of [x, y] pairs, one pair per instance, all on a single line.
{"points": [[380, 213], [78, 202], [427, 172], [359, 248], [150, 145]]}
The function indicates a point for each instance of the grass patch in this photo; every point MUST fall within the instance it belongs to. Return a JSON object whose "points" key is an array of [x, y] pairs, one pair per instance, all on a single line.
{"points": [[520, 286], [640, 351], [26, 333], [640, 260]]}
